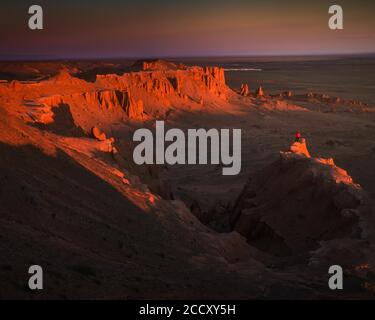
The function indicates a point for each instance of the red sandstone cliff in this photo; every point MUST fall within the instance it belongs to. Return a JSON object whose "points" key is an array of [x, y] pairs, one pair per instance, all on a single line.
{"points": [[150, 88]]}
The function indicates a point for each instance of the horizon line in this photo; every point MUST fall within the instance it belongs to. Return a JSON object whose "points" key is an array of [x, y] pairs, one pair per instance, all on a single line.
{"points": [[41, 58]]}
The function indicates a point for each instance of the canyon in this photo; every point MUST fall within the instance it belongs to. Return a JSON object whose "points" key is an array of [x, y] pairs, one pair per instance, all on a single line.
{"points": [[74, 201]]}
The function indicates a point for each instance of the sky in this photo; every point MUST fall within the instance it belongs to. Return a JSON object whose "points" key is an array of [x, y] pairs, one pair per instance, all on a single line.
{"points": [[194, 28]]}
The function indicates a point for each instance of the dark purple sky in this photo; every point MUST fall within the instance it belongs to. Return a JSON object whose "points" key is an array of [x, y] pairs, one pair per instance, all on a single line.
{"points": [[145, 28]]}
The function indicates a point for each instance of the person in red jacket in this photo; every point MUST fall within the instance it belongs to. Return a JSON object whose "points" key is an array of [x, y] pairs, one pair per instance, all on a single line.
{"points": [[298, 136]]}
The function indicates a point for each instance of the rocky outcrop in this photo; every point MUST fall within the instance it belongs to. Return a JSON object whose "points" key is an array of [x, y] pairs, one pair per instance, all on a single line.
{"points": [[216, 73], [114, 99], [259, 92], [298, 201], [287, 94], [44, 110], [213, 77], [165, 79], [110, 100], [133, 108], [153, 90], [98, 134], [39, 112], [52, 101], [160, 87], [167, 84], [300, 147], [244, 89]]}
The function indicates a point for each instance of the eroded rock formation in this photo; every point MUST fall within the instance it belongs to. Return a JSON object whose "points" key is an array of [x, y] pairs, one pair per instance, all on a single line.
{"points": [[259, 92], [244, 89], [298, 201], [287, 94], [98, 134], [300, 148]]}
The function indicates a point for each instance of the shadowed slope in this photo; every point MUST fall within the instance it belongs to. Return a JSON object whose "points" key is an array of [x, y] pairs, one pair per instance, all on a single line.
{"points": [[97, 236]]}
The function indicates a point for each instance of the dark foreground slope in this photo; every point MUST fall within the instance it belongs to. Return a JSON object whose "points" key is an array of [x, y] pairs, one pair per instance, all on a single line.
{"points": [[99, 235]]}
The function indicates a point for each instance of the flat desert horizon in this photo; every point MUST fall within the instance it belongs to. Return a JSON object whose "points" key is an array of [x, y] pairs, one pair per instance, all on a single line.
{"points": [[240, 169]]}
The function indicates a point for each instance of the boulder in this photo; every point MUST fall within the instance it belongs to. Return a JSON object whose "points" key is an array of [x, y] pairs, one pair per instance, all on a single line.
{"points": [[98, 134]]}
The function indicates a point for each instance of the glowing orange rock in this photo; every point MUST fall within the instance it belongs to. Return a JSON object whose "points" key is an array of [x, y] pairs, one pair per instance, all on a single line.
{"points": [[244, 89], [98, 134], [260, 92], [300, 148]]}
